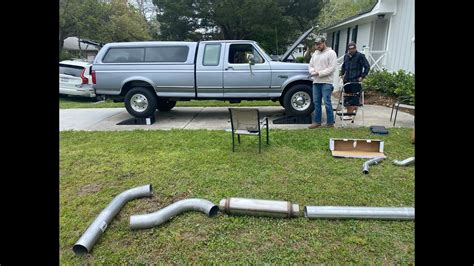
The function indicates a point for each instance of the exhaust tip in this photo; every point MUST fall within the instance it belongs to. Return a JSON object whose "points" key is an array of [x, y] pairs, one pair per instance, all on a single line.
{"points": [[305, 211], [79, 249], [365, 171], [214, 210], [150, 188]]}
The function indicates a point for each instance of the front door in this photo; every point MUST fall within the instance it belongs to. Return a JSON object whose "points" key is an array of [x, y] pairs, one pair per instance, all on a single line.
{"points": [[242, 80]]}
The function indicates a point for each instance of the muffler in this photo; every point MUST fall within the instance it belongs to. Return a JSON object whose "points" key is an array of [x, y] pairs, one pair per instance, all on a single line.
{"points": [[258, 207]]}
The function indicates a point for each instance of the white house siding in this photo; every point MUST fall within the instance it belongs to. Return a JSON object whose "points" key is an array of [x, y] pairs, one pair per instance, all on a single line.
{"points": [[401, 44]]}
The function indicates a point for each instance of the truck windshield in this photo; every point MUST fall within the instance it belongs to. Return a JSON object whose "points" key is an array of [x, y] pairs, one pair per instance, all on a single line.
{"points": [[263, 50]]}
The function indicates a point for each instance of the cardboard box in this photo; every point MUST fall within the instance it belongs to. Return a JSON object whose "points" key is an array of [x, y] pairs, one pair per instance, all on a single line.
{"points": [[357, 148]]}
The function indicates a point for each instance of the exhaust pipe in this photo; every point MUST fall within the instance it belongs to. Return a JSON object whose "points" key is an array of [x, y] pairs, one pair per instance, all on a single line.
{"points": [[313, 212], [365, 167], [97, 228], [143, 221], [404, 162], [257, 207]]}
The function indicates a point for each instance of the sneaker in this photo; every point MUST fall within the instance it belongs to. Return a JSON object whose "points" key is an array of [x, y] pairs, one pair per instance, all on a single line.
{"points": [[346, 117], [314, 125], [328, 126]]}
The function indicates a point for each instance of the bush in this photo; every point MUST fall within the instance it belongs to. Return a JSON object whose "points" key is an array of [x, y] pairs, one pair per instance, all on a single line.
{"points": [[393, 84], [65, 55], [300, 59]]}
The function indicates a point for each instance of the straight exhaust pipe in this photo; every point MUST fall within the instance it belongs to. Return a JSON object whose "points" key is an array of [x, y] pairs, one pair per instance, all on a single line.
{"points": [[342, 212], [143, 221], [365, 167], [258, 207], [404, 162], [97, 228]]}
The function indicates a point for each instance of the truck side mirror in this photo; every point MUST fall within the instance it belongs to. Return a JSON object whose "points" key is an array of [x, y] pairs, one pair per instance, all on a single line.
{"points": [[251, 59]]}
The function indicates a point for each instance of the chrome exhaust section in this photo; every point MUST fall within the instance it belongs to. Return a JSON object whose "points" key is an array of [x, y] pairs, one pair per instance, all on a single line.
{"points": [[341, 212], [143, 221], [97, 228], [365, 167], [258, 207], [404, 162]]}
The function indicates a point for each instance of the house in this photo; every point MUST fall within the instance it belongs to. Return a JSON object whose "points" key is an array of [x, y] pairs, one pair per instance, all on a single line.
{"points": [[385, 34], [299, 51], [89, 51]]}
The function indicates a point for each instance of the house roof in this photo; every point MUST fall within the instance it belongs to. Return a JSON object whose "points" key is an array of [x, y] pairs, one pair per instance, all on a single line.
{"points": [[71, 43], [380, 7]]}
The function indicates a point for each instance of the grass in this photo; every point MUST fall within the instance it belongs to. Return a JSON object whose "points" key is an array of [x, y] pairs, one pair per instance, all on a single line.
{"points": [[82, 102], [296, 166]]}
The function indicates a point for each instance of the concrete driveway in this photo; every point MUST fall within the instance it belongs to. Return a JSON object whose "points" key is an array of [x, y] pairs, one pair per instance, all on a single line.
{"points": [[212, 118]]}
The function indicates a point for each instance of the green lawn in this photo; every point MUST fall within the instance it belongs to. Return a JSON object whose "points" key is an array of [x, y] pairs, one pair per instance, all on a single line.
{"points": [[81, 102], [296, 166]]}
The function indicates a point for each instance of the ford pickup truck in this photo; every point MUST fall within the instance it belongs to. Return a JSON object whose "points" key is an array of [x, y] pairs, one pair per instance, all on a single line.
{"points": [[153, 75]]}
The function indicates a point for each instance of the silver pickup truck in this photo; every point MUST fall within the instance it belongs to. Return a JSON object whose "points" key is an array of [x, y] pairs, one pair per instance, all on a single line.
{"points": [[154, 75]]}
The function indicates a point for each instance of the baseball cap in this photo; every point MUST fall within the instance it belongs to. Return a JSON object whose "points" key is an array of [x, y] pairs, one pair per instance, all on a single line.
{"points": [[351, 45], [320, 39]]}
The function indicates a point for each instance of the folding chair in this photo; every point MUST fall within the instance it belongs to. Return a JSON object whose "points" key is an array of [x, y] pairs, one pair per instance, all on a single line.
{"points": [[351, 94], [246, 121], [401, 102]]}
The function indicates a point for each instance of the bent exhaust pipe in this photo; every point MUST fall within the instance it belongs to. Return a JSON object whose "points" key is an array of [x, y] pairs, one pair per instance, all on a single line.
{"points": [[143, 221], [257, 207], [404, 162], [97, 228], [365, 167], [339, 212]]}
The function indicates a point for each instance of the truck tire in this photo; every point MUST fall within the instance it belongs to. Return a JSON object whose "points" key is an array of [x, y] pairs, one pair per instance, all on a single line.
{"points": [[298, 100], [282, 101], [140, 102], [164, 104]]}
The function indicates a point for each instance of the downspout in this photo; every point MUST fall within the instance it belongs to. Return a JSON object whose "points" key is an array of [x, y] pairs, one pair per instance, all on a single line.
{"points": [[338, 212], [404, 162], [257, 207], [97, 228], [365, 168], [143, 221]]}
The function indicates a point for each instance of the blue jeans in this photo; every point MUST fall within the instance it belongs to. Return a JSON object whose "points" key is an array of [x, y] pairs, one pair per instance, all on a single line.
{"points": [[323, 91]]}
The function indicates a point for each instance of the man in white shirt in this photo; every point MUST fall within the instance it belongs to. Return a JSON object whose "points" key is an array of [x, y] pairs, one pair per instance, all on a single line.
{"points": [[321, 68]]}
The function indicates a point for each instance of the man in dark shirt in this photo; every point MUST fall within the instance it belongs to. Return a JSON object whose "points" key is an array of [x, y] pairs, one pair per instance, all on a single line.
{"points": [[354, 69]]}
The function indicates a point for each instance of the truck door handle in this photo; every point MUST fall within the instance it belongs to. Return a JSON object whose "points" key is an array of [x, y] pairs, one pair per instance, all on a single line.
{"points": [[227, 68], [283, 76]]}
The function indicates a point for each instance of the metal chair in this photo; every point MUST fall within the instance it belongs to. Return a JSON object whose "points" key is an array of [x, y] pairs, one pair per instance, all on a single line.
{"points": [[401, 102], [246, 121]]}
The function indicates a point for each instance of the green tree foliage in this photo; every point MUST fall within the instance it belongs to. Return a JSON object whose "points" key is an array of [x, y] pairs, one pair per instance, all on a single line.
{"points": [[104, 21], [337, 10], [266, 21]]}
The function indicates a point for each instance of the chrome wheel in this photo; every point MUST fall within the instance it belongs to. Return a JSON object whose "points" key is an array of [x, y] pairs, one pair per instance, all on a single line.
{"points": [[139, 102], [300, 101]]}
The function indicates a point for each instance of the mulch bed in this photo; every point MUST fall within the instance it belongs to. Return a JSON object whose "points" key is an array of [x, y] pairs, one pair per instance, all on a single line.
{"points": [[376, 98]]}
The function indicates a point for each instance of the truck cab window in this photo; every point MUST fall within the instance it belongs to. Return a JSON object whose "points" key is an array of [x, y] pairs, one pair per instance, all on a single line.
{"points": [[238, 54]]}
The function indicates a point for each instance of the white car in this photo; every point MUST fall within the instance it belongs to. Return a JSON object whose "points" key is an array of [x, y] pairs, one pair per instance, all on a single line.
{"points": [[75, 78]]}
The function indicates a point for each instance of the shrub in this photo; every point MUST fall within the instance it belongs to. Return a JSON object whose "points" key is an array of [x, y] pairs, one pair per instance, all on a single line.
{"points": [[393, 84], [300, 59]]}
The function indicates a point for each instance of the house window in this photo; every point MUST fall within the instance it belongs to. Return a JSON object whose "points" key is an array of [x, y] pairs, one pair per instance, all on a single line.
{"points": [[336, 43], [354, 34], [347, 38]]}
